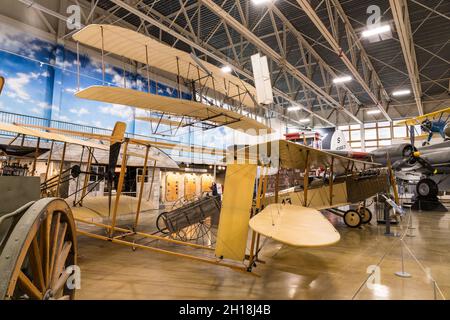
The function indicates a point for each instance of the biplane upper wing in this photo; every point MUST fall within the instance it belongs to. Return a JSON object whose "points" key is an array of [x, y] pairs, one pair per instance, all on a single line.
{"points": [[295, 226], [296, 156], [418, 120], [137, 46], [49, 136], [181, 107]]}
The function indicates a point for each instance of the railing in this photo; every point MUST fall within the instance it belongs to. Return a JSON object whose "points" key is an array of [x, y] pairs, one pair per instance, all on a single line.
{"points": [[9, 117]]}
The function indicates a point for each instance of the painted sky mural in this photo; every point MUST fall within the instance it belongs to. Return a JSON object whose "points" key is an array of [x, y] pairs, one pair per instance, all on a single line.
{"points": [[42, 79]]}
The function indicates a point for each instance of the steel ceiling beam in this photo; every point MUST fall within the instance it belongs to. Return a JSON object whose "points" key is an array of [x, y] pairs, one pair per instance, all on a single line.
{"points": [[307, 46], [207, 52], [336, 14], [400, 13], [278, 58]]}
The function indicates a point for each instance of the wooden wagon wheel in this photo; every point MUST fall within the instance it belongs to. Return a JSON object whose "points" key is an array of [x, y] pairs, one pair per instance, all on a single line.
{"points": [[199, 232], [40, 248]]}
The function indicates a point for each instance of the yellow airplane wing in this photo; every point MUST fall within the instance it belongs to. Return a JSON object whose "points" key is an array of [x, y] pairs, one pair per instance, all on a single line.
{"points": [[296, 156], [295, 226], [50, 136], [137, 46], [417, 138], [181, 107], [102, 137], [418, 120]]}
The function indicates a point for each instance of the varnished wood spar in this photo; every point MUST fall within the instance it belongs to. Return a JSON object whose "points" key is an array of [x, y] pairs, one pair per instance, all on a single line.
{"points": [[146, 67], [61, 167], [252, 250], [153, 179], [263, 199], [2, 83], [49, 159], [255, 236], [36, 156], [87, 175], [119, 187], [103, 53], [143, 234], [306, 180], [393, 181], [277, 185], [144, 173], [140, 246], [331, 177]]}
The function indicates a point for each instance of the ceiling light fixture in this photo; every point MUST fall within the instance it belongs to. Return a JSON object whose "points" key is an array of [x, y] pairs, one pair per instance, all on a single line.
{"points": [[304, 120], [401, 92], [294, 108], [260, 1], [374, 31], [376, 111], [226, 69], [342, 79]]}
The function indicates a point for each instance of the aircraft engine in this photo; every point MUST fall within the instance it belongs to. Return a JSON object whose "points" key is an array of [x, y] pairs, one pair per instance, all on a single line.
{"points": [[396, 152]]}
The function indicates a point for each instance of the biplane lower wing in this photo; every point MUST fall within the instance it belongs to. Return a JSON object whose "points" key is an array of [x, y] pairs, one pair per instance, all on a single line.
{"points": [[295, 226], [296, 156], [49, 136], [174, 106]]}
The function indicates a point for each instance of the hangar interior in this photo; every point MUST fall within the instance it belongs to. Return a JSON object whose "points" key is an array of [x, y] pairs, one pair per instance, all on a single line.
{"points": [[225, 149]]}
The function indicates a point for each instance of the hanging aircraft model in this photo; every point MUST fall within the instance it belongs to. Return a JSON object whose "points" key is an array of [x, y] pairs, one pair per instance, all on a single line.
{"points": [[431, 123], [217, 98]]}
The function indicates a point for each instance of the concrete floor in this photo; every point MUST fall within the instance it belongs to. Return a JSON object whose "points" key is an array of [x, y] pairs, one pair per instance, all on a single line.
{"points": [[111, 271]]}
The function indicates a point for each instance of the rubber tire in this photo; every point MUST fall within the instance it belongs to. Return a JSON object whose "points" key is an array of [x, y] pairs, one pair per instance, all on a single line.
{"points": [[351, 215], [429, 185], [366, 216]]}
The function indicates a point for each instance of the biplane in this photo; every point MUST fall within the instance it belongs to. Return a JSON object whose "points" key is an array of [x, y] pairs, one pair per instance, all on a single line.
{"points": [[290, 212], [431, 123], [44, 231], [218, 98], [49, 223], [169, 147], [38, 240]]}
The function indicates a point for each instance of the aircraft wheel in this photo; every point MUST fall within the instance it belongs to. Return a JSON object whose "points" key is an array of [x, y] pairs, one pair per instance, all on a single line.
{"points": [[366, 215], [352, 219], [427, 188], [37, 257], [160, 224]]}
